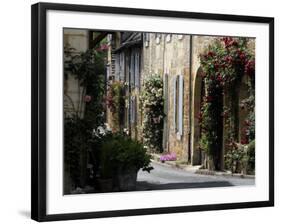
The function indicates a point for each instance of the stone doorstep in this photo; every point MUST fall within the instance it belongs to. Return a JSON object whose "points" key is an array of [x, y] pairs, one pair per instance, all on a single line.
{"points": [[197, 169]]}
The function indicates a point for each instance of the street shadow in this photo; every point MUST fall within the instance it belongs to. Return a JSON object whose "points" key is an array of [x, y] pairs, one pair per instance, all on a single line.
{"points": [[144, 185]]}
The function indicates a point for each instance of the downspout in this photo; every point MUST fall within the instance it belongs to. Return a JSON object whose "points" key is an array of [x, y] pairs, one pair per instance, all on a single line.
{"points": [[190, 98]]}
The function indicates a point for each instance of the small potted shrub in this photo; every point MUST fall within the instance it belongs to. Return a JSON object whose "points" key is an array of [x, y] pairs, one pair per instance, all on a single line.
{"points": [[127, 158], [131, 156]]}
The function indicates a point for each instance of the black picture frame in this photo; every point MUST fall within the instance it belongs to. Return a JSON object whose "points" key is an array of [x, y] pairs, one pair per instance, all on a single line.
{"points": [[38, 108]]}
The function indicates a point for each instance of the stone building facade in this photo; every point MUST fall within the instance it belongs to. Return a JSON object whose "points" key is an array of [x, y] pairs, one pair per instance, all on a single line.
{"points": [[134, 56], [175, 58], [172, 57]]}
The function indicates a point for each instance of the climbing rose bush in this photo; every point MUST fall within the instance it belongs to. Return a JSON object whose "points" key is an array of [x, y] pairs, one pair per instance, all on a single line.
{"points": [[152, 105], [224, 63]]}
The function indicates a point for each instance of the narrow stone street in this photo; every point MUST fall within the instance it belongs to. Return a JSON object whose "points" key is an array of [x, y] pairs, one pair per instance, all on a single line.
{"points": [[166, 177]]}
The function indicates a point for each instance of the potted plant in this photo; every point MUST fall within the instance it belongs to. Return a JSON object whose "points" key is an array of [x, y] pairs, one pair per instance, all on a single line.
{"points": [[127, 157]]}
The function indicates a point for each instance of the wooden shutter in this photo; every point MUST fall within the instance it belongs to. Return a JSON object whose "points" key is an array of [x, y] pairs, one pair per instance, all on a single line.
{"points": [[122, 67], [127, 68], [137, 69], [132, 109], [180, 105], [117, 67], [132, 69], [166, 109], [175, 102]]}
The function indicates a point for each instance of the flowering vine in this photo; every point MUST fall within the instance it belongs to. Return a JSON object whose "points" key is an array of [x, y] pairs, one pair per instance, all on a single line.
{"points": [[224, 64], [152, 104], [115, 101]]}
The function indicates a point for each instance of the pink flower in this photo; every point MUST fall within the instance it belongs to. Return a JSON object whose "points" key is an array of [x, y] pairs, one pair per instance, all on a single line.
{"points": [[156, 120], [228, 59], [102, 47], [250, 68], [87, 98], [168, 157]]}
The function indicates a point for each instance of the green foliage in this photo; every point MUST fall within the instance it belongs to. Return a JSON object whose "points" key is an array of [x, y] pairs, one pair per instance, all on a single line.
{"points": [[241, 157], [89, 69], [77, 139], [85, 66], [107, 165], [224, 63], [124, 153], [116, 103], [251, 157], [152, 104], [236, 157]]}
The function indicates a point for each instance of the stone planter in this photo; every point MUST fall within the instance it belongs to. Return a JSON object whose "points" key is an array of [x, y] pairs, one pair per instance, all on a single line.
{"points": [[127, 180]]}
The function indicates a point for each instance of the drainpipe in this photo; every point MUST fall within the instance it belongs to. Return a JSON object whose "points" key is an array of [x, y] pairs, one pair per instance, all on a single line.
{"points": [[190, 98]]}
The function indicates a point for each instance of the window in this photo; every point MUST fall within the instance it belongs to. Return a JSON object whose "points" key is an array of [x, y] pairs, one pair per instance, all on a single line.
{"points": [[146, 39], [132, 69], [178, 105], [158, 38], [137, 69], [180, 36], [168, 38]]}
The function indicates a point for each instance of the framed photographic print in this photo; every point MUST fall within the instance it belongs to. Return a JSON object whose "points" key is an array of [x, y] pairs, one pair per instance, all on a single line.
{"points": [[139, 111]]}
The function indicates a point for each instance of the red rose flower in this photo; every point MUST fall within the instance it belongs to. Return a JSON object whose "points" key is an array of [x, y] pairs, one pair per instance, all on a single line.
{"points": [[228, 59], [209, 99], [250, 67], [211, 54], [242, 56], [87, 98], [244, 141], [219, 77]]}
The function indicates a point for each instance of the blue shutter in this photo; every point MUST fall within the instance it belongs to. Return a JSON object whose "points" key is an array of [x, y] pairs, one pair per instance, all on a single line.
{"points": [[122, 66], [132, 70], [180, 105], [132, 109], [175, 103], [166, 109], [137, 70], [117, 67]]}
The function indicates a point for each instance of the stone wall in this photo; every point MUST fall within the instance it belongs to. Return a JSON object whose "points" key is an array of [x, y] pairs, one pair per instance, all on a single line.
{"points": [[199, 44], [172, 55], [169, 54], [73, 99]]}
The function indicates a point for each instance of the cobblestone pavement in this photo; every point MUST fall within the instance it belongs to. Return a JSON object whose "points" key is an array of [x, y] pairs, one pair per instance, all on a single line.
{"points": [[167, 177]]}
